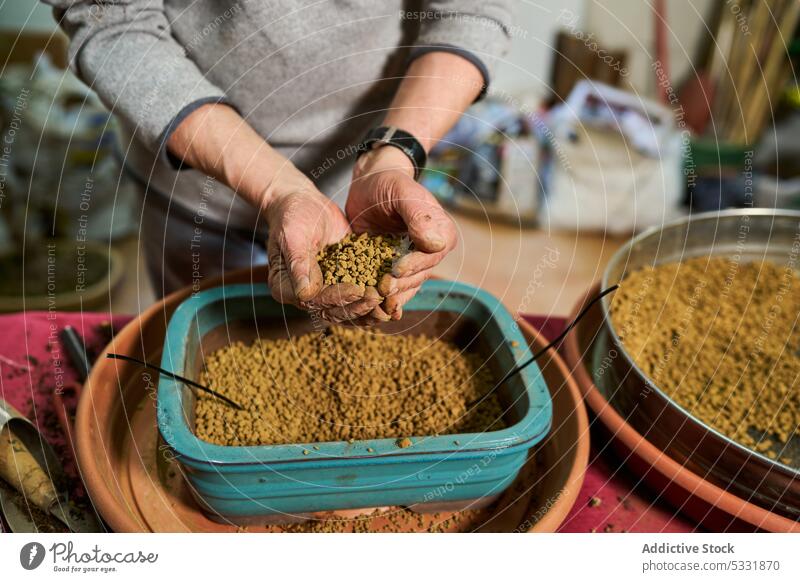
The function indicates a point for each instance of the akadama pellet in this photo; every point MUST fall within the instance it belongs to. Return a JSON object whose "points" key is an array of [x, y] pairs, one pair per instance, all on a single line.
{"points": [[345, 384], [360, 259], [722, 339]]}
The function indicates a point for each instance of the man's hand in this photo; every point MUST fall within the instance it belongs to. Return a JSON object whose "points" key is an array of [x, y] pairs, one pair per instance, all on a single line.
{"points": [[385, 198], [301, 223], [216, 140]]}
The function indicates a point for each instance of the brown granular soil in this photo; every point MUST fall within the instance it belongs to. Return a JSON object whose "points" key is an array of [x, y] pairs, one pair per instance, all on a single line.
{"points": [[721, 338], [361, 259], [391, 520], [345, 384]]}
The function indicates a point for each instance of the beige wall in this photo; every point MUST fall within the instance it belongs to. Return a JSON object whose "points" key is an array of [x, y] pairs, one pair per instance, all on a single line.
{"points": [[527, 66], [629, 24]]}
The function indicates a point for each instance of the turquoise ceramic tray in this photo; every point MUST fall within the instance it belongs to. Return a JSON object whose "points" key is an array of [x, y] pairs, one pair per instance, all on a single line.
{"points": [[254, 483]]}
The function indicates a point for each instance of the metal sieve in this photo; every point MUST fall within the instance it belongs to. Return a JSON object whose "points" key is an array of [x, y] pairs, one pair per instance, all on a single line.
{"points": [[744, 234]]}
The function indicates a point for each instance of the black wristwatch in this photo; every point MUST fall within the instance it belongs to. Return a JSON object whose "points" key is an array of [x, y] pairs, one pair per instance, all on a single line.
{"points": [[402, 140]]}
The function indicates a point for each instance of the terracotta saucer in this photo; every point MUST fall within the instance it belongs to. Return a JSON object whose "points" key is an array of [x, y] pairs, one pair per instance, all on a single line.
{"points": [[708, 505], [137, 487]]}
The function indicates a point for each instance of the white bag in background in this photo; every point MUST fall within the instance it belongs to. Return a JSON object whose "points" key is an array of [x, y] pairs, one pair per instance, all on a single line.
{"points": [[616, 163]]}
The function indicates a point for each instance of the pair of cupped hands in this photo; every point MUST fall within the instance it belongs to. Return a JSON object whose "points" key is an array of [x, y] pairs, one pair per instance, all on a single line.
{"points": [[384, 198]]}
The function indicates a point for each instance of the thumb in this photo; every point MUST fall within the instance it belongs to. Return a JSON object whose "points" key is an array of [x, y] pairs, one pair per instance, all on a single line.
{"points": [[301, 263], [429, 226]]}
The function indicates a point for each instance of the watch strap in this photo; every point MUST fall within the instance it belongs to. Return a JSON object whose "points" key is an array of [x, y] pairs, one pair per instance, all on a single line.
{"points": [[402, 140]]}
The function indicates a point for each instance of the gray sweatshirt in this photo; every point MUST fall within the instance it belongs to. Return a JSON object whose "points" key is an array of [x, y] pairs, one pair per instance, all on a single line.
{"points": [[312, 77]]}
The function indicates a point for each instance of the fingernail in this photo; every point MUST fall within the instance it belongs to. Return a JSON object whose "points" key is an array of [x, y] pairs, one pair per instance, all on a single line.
{"points": [[435, 242], [303, 284]]}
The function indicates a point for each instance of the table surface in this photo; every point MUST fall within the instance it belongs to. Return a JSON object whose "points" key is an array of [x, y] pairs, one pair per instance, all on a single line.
{"points": [[33, 364]]}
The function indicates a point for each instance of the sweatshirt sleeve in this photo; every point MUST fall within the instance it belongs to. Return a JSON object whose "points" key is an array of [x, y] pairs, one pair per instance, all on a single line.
{"points": [[125, 52], [478, 30]]}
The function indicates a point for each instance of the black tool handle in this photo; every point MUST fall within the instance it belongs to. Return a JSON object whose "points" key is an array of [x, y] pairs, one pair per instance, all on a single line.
{"points": [[76, 350]]}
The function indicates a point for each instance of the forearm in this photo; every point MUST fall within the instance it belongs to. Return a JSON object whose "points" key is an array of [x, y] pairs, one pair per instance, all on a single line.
{"points": [[437, 89], [216, 140], [453, 58]]}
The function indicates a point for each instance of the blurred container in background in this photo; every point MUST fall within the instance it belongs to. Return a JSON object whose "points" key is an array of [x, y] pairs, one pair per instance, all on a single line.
{"points": [[61, 174]]}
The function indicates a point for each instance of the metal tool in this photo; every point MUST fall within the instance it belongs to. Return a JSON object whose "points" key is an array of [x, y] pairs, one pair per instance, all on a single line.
{"points": [[30, 466]]}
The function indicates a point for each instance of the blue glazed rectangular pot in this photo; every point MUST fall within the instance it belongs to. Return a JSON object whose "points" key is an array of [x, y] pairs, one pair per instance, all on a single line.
{"points": [[256, 483]]}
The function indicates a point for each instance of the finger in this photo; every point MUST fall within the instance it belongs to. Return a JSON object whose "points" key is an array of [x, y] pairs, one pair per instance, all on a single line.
{"points": [[278, 279], [370, 293], [397, 284], [294, 276], [315, 279], [387, 285], [281, 287], [304, 274], [354, 310], [377, 315], [374, 317], [336, 295], [429, 226], [416, 262], [394, 305], [301, 261]]}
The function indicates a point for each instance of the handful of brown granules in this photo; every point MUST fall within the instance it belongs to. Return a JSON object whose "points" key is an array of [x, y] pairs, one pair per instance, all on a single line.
{"points": [[722, 340], [360, 259], [346, 383]]}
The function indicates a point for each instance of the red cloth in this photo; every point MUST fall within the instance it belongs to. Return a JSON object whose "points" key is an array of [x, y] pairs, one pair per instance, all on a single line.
{"points": [[611, 498], [33, 365]]}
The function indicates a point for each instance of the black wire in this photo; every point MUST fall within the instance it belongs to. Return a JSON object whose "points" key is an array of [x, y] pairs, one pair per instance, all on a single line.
{"points": [[561, 336], [174, 376]]}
